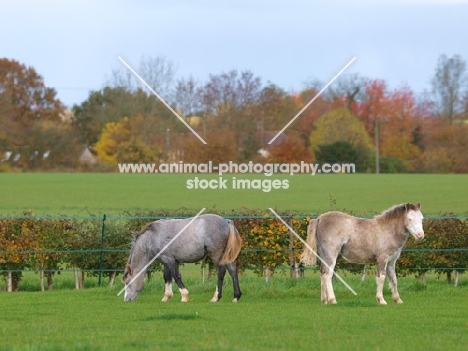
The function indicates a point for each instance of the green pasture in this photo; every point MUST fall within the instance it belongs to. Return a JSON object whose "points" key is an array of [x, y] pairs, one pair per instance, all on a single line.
{"points": [[282, 314], [114, 193]]}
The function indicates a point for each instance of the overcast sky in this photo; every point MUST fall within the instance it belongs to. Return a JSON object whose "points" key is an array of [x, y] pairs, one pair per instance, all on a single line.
{"points": [[74, 45]]}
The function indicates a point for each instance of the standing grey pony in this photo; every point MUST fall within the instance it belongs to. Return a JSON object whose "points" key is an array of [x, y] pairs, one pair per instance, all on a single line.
{"points": [[208, 235], [378, 240]]}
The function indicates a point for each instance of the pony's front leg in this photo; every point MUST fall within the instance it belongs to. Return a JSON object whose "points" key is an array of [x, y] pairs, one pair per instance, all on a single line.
{"points": [[392, 280], [168, 282], [381, 268], [174, 270]]}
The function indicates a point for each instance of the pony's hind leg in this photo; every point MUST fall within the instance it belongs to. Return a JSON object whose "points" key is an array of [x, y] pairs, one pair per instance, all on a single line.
{"points": [[232, 269], [327, 293], [221, 272], [168, 282], [330, 293], [323, 289], [329, 247], [392, 281]]}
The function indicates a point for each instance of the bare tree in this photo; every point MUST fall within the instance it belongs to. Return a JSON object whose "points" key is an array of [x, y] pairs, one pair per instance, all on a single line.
{"points": [[447, 84], [158, 72], [231, 99], [231, 89], [187, 96], [350, 86]]}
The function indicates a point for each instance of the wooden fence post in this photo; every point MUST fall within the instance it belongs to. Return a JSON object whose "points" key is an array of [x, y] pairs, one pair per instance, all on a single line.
{"points": [[10, 282]]}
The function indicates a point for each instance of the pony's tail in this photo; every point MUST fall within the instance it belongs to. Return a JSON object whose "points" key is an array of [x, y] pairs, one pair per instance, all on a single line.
{"points": [[233, 245], [308, 257]]}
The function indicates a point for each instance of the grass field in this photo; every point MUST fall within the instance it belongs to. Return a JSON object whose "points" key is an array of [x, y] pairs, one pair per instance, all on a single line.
{"points": [[282, 314], [112, 193]]}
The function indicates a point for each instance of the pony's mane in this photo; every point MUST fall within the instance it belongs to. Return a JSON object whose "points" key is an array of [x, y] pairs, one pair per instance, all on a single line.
{"points": [[136, 235], [397, 211], [143, 229]]}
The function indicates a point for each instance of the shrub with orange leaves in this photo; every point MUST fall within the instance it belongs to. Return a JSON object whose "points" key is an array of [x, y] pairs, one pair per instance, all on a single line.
{"points": [[266, 242]]}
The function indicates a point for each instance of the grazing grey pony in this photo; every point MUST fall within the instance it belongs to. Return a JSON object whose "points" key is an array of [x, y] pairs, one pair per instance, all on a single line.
{"points": [[378, 240], [208, 235]]}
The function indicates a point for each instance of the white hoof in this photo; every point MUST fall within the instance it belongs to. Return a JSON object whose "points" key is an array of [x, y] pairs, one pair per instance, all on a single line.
{"points": [[381, 301], [184, 293], [166, 298]]}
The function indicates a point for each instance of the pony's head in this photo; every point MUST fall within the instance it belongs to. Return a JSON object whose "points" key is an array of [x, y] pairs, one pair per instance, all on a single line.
{"points": [[134, 276], [133, 286], [413, 220]]}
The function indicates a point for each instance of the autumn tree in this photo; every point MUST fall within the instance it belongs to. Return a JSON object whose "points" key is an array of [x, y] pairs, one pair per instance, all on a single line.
{"points": [[147, 120], [30, 115], [290, 150], [125, 96], [445, 148], [52, 146], [122, 142], [101, 107], [228, 101], [304, 124], [220, 148], [389, 120], [341, 125], [28, 97], [275, 108]]}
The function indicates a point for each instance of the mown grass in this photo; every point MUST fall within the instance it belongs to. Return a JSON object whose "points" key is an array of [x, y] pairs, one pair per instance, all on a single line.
{"points": [[112, 193], [281, 314]]}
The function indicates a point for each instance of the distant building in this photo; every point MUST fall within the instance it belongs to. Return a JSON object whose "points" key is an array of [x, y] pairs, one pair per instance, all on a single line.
{"points": [[87, 156], [267, 136], [66, 115]]}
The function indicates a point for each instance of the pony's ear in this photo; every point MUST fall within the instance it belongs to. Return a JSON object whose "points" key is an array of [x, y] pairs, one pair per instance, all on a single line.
{"points": [[418, 206], [407, 206], [129, 269]]}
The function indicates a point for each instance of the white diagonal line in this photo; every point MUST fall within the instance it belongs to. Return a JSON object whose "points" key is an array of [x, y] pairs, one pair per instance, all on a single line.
{"points": [[162, 100], [311, 101], [162, 250], [307, 245]]}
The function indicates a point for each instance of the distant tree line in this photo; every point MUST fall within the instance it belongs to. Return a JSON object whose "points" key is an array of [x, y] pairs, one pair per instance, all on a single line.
{"points": [[356, 119]]}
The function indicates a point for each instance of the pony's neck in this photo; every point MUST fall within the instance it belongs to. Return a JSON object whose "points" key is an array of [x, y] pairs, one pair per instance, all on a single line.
{"points": [[395, 225]]}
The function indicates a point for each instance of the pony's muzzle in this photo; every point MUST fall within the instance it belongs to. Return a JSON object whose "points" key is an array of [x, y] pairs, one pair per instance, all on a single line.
{"points": [[419, 235], [129, 299]]}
